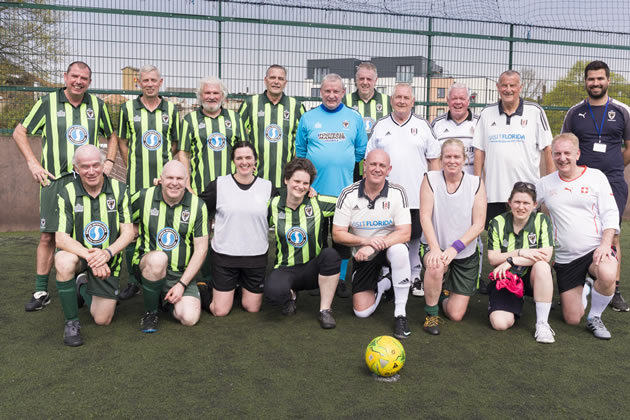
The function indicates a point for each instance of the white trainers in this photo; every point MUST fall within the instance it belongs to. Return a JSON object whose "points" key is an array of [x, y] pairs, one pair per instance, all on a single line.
{"points": [[588, 286], [544, 333], [417, 288], [597, 327]]}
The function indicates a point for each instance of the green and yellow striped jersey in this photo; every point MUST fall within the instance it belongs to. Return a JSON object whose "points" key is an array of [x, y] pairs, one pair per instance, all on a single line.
{"points": [[375, 109], [169, 229], [209, 142], [299, 232], [95, 222], [272, 130], [64, 127], [151, 135]]}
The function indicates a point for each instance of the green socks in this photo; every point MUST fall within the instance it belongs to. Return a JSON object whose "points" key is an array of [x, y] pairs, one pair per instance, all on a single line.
{"points": [[41, 282], [87, 298], [151, 292], [129, 251], [432, 310], [68, 296]]}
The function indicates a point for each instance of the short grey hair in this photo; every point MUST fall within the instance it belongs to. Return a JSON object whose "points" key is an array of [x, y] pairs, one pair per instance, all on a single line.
{"points": [[82, 150], [510, 73], [457, 85], [148, 68], [366, 65], [333, 77], [211, 80]]}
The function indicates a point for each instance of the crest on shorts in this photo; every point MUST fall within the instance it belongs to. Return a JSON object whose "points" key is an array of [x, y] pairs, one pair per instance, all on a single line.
{"points": [[185, 216], [42, 223], [286, 114], [228, 124], [379, 107], [165, 118], [531, 238], [90, 113], [308, 211], [524, 123], [414, 131], [111, 203], [345, 124]]}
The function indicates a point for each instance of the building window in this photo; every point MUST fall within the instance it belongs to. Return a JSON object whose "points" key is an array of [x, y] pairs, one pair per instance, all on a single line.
{"points": [[315, 92], [319, 73], [473, 97], [440, 111], [380, 89], [404, 74], [441, 93]]}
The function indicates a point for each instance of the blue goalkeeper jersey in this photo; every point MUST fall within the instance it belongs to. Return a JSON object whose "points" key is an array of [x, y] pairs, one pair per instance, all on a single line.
{"points": [[334, 141]]}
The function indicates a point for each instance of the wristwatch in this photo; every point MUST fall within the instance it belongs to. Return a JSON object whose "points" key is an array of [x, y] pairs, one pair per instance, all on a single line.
{"points": [[510, 261]]}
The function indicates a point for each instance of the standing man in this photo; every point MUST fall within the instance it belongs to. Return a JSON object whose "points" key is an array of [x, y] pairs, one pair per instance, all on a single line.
{"points": [[67, 118], [332, 136], [458, 123], [372, 217], [208, 134], [172, 246], [149, 134], [413, 150], [271, 120], [372, 105], [579, 196], [602, 125], [94, 228], [509, 140]]}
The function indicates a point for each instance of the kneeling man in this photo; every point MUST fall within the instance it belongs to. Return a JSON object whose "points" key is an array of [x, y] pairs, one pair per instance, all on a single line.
{"points": [[586, 219], [372, 217], [94, 226], [172, 245]]}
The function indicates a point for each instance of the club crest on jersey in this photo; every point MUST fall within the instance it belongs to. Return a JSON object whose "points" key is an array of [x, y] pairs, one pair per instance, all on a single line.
{"points": [[185, 216], [90, 113], [584, 190], [297, 237], [168, 239], [165, 118], [95, 233], [154, 212], [345, 124], [61, 114], [379, 107], [202, 126], [386, 205], [611, 115], [77, 135], [111, 204], [355, 107], [369, 124], [216, 142], [137, 118], [308, 211], [282, 215], [318, 125], [524, 123], [261, 113], [228, 124], [151, 140], [78, 208], [273, 133], [414, 131], [532, 238], [286, 114]]}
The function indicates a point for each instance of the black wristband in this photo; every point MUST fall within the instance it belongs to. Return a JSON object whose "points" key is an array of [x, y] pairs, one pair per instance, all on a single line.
{"points": [[111, 256], [182, 283], [109, 160]]}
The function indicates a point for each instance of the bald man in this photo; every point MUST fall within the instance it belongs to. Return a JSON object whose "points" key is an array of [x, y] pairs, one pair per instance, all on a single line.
{"points": [[94, 227], [172, 245], [373, 218]]}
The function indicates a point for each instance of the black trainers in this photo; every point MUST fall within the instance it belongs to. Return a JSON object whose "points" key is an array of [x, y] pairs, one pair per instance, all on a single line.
{"points": [[326, 319], [205, 295], [431, 324], [149, 322], [342, 289], [38, 301], [72, 334], [290, 306], [483, 287], [618, 303], [401, 327], [82, 279], [130, 291]]}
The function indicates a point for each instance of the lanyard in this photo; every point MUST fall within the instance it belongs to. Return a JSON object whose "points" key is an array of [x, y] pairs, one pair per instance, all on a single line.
{"points": [[599, 129]]}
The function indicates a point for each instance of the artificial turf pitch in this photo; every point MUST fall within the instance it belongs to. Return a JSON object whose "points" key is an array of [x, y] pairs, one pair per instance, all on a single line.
{"points": [[268, 366]]}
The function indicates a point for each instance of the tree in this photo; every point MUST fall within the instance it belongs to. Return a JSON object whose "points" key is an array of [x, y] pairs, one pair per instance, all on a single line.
{"points": [[569, 90], [31, 42], [532, 85]]}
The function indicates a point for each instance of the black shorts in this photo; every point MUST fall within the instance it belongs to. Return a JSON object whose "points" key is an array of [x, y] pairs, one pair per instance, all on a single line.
{"points": [[345, 252], [416, 227], [365, 273], [225, 279], [573, 274], [504, 300], [495, 209], [620, 193], [282, 280]]}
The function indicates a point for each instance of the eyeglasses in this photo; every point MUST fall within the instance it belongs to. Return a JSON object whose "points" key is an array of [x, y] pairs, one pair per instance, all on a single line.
{"points": [[527, 185]]}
